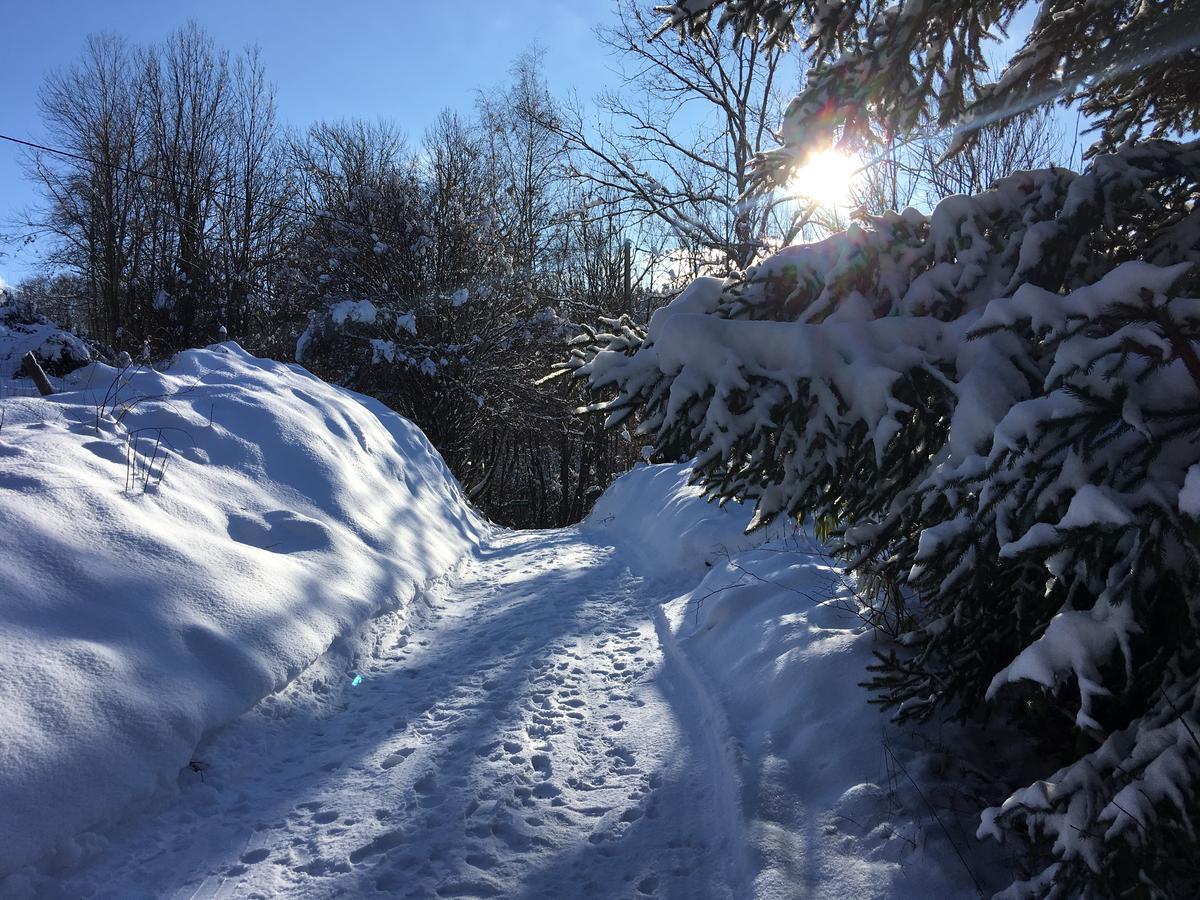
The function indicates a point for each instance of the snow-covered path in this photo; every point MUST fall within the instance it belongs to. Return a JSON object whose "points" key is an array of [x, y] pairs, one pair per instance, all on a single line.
{"points": [[523, 735]]}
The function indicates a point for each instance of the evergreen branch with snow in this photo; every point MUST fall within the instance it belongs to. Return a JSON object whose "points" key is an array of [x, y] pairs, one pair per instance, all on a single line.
{"points": [[995, 403]]}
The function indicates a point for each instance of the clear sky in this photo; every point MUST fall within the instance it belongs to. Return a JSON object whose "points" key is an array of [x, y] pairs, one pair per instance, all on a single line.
{"points": [[397, 59]]}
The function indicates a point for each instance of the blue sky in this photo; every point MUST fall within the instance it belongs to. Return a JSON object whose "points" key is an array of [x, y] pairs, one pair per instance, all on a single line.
{"points": [[400, 60]]}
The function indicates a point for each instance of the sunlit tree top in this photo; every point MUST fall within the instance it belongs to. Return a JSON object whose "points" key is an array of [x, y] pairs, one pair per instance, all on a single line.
{"points": [[1132, 65]]}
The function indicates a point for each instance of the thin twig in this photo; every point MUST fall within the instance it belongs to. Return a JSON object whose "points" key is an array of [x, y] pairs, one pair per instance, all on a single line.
{"points": [[933, 812], [1182, 719]]}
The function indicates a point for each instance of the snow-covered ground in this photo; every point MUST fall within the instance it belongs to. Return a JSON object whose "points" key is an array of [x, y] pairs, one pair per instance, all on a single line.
{"points": [[524, 738], [651, 704]]}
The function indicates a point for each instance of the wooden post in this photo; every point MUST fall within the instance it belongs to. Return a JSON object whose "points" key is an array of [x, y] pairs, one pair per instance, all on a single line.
{"points": [[33, 370]]}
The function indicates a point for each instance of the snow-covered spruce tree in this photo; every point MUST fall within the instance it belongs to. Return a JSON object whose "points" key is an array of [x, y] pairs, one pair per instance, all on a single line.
{"points": [[1132, 65], [995, 406], [991, 407]]}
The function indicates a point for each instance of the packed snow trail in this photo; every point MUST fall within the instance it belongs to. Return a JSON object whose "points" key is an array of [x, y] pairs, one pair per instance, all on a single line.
{"points": [[522, 737]]}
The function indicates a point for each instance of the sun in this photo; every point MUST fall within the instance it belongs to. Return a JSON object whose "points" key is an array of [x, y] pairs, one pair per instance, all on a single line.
{"points": [[827, 178]]}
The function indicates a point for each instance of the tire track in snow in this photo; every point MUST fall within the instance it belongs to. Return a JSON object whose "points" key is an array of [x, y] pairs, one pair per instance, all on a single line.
{"points": [[519, 740]]}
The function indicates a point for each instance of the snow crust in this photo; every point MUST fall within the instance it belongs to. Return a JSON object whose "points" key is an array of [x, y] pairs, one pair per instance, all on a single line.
{"points": [[176, 546]]}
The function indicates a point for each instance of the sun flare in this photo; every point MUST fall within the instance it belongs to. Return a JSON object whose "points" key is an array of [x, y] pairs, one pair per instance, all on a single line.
{"points": [[827, 178]]}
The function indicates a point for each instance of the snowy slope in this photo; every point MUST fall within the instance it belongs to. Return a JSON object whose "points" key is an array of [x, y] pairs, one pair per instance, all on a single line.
{"points": [[142, 606]]}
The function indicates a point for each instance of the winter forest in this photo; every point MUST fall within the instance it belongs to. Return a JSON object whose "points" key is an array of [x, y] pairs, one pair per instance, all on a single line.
{"points": [[774, 475]]}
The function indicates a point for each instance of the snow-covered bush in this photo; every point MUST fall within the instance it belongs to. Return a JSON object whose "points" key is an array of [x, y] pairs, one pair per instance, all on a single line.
{"points": [[993, 410], [463, 364], [439, 284], [23, 329]]}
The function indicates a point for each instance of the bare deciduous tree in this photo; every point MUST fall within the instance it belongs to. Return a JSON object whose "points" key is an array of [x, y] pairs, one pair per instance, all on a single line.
{"points": [[188, 84], [94, 109], [169, 205], [676, 141], [252, 215]]}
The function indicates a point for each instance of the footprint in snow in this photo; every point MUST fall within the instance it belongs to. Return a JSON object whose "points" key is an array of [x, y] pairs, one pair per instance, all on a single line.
{"points": [[255, 856], [396, 758], [279, 531]]}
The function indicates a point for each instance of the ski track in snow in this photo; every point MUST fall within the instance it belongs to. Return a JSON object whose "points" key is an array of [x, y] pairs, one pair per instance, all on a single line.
{"points": [[520, 738]]}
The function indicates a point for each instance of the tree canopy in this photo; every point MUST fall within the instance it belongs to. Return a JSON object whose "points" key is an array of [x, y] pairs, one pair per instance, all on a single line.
{"points": [[1133, 66]]}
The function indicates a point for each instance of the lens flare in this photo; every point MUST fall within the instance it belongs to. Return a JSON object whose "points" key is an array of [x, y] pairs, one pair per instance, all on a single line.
{"points": [[827, 178]]}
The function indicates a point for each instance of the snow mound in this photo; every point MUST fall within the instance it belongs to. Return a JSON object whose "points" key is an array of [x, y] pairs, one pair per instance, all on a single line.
{"points": [[175, 546], [657, 515]]}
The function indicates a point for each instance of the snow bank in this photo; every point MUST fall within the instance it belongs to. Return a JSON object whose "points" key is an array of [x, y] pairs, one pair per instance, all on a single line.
{"points": [[771, 641], [169, 562], [655, 514], [774, 634]]}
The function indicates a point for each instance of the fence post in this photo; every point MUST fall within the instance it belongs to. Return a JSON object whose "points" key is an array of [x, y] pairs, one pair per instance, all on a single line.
{"points": [[33, 370]]}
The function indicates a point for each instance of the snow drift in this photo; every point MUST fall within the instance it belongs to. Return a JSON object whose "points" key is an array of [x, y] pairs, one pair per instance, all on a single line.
{"points": [[775, 636], [774, 649], [666, 523], [175, 546]]}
